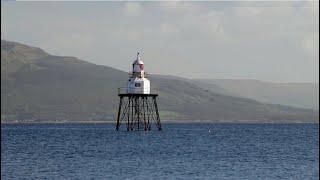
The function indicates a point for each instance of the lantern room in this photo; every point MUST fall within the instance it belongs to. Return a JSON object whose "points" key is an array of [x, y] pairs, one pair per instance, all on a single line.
{"points": [[138, 83]]}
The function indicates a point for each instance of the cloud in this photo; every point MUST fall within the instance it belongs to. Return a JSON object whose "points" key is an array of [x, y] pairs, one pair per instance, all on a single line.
{"points": [[212, 23], [314, 7], [4, 29], [132, 8], [209, 39], [310, 44], [179, 7], [169, 28]]}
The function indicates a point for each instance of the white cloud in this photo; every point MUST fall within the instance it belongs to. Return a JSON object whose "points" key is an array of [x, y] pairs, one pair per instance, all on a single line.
{"points": [[310, 44], [314, 6], [4, 29], [132, 8], [241, 37], [212, 22], [179, 7], [169, 28]]}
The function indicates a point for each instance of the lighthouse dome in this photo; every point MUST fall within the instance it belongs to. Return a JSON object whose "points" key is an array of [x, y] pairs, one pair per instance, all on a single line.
{"points": [[138, 65], [138, 83], [138, 60]]}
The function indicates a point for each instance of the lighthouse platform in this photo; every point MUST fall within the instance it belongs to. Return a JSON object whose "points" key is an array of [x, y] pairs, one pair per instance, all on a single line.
{"points": [[138, 111], [124, 92]]}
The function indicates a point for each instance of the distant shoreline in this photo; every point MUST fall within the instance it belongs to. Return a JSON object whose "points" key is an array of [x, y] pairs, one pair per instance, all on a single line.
{"points": [[171, 122]]}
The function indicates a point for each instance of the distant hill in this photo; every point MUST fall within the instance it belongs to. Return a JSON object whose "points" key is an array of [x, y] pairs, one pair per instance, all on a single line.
{"points": [[304, 95], [37, 86]]}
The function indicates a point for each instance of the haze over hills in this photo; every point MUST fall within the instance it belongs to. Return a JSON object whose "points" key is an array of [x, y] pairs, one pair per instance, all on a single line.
{"points": [[304, 95], [301, 95], [37, 86]]}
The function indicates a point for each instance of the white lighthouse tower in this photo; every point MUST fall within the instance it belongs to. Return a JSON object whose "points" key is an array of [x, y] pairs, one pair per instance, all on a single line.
{"points": [[138, 83], [138, 106]]}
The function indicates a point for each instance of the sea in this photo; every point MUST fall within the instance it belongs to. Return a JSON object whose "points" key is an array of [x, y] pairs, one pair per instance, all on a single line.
{"points": [[179, 151]]}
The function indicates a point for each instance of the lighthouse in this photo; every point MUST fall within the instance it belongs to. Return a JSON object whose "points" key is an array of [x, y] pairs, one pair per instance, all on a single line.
{"points": [[138, 83], [138, 107]]}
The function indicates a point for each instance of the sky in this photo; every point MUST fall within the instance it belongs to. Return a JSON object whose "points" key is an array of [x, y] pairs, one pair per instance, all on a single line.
{"points": [[269, 41]]}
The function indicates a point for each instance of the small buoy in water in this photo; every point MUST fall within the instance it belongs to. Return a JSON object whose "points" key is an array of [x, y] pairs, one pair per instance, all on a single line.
{"points": [[209, 130]]}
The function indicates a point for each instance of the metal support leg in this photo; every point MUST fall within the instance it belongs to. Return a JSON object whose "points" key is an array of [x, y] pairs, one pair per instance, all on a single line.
{"points": [[144, 114], [132, 114], [128, 114], [157, 113], [119, 113], [138, 112]]}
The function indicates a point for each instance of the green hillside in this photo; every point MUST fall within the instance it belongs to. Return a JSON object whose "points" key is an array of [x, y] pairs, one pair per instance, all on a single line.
{"points": [[37, 86]]}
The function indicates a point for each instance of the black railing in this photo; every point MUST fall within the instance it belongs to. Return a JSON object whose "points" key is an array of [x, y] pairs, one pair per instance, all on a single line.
{"points": [[125, 90], [145, 74]]}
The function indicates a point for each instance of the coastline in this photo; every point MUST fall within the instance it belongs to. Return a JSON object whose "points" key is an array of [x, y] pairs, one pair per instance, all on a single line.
{"points": [[172, 122]]}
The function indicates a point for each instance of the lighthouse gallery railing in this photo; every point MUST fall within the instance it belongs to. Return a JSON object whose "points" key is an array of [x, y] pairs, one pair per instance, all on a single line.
{"points": [[124, 90]]}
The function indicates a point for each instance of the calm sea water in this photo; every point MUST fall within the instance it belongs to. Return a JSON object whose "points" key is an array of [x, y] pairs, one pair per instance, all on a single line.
{"points": [[181, 151]]}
